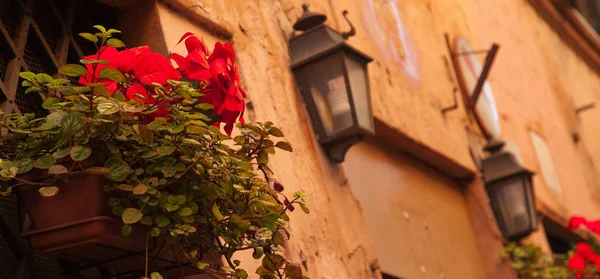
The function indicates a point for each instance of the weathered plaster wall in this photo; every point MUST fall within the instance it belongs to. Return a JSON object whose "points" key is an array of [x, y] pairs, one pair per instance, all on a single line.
{"points": [[537, 80], [330, 242]]}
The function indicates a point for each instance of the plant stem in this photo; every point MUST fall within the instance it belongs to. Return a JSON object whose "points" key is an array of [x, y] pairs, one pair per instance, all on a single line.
{"points": [[32, 183]]}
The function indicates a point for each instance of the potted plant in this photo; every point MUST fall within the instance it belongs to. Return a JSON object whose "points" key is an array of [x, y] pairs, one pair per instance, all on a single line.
{"points": [[132, 137]]}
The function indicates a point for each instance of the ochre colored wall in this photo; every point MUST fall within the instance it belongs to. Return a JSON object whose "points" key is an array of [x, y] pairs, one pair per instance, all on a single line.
{"points": [[416, 216], [537, 80]]}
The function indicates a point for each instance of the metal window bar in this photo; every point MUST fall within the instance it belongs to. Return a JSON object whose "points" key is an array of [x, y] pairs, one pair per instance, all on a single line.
{"points": [[38, 36]]}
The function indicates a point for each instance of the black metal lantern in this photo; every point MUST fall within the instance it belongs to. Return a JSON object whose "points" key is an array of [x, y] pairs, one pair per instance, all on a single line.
{"points": [[332, 77], [510, 189]]}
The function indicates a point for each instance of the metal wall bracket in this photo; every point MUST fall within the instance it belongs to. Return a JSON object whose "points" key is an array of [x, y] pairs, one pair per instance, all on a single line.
{"points": [[454, 106], [489, 60], [583, 108]]}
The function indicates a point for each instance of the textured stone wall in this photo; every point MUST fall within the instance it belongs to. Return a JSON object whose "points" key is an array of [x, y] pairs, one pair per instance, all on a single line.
{"points": [[537, 80]]}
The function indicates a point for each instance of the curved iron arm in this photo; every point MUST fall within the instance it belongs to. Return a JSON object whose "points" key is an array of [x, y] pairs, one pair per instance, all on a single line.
{"points": [[352, 31]]}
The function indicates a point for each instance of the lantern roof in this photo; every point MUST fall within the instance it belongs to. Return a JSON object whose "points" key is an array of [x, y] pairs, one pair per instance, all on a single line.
{"points": [[500, 164], [318, 42]]}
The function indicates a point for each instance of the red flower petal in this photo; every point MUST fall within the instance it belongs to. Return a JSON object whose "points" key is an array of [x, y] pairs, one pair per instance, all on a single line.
{"points": [[576, 262], [133, 93], [153, 67], [128, 57], [575, 222], [586, 251]]}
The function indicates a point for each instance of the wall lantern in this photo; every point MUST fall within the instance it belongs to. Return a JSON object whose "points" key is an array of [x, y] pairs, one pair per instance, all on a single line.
{"points": [[510, 189], [332, 77]]}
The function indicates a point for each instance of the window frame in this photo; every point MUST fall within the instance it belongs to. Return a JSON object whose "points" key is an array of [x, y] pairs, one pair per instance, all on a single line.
{"points": [[572, 28]]}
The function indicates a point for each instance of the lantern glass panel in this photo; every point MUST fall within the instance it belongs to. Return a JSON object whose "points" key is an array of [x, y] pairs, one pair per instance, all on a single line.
{"points": [[324, 81], [513, 203], [359, 87]]}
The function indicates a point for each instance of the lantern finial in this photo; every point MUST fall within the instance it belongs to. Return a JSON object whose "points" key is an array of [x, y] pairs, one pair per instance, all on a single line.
{"points": [[309, 20]]}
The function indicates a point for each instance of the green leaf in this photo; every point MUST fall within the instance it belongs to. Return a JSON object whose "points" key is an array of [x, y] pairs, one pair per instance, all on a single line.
{"points": [[112, 74], [171, 207], [274, 131], [202, 265], [89, 37], [49, 102], [119, 169], [73, 70], [191, 142], [293, 271], [101, 90], [97, 171], [258, 252], [126, 230], [270, 221], [284, 145], [242, 274], [146, 134], [180, 199], [25, 165], [194, 207], [9, 172], [45, 162], [227, 269], [166, 150], [72, 123], [217, 212], [101, 28], [239, 222], [125, 187], [263, 157], [33, 89], [48, 191], [113, 31], [204, 106], [146, 220], [27, 75], [108, 106], [61, 153], [155, 232], [57, 169], [80, 153], [300, 195], [115, 43], [114, 201], [131, 215], [93, 61], [153, 275], [42, 78], [140, 189], [304, 208], [186, 211], [162, 221]]}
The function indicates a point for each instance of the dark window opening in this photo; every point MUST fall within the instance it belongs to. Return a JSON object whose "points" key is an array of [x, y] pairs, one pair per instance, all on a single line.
{"points": [[590, 10], [387, 276], [559, 238]]}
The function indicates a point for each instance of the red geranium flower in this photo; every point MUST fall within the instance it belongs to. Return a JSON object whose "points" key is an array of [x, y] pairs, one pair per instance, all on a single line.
{"points": [[108, 54], [129, 57], [575, 222], [153, 67], [195, 64], [138, 93], [226, 94], [576, 262]]}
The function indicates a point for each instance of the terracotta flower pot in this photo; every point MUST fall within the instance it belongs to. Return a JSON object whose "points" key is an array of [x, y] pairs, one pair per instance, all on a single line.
{"points": [[76, 225]]}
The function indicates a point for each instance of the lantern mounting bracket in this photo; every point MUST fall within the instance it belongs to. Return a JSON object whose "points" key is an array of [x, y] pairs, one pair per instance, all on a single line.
{"points": [[489, 60], [454, 106], [352, 30], [583, 108]]}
